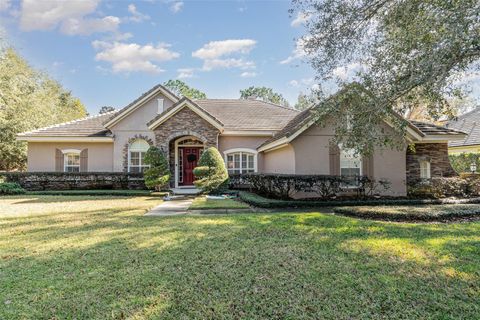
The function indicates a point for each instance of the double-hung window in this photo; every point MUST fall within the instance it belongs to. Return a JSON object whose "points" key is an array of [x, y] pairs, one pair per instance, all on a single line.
{"points": [[71, 162], [425, 172], [350, 165]]}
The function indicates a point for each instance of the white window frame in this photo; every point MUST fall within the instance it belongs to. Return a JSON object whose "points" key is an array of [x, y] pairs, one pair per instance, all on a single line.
{"points": [[140, 161], [359, 157], [425, 172], [253, 152], [70, 152]]}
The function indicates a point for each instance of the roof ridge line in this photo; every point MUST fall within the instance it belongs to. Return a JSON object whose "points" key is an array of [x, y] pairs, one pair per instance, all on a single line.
{"points": [[65, 123]]}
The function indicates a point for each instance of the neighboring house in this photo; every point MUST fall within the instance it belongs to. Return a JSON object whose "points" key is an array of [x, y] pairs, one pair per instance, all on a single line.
{"points": [[470, 124], [253, 136]]}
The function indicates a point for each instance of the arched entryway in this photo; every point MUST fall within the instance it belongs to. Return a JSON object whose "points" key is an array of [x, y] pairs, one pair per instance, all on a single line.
{"points": [[187, 151]]}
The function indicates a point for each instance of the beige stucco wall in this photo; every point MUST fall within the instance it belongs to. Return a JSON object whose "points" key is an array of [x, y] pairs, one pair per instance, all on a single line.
{"points": [[280, 160], [311, 156], [232, 142], [41, 155], [135, 124]]}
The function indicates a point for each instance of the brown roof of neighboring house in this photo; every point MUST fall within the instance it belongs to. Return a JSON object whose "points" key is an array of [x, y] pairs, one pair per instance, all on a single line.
{"points": [[469, 123], [86, 127]]}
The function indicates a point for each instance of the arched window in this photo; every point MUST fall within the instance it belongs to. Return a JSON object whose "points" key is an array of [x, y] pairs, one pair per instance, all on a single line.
{"points": [[241, 161], [136, 156]]}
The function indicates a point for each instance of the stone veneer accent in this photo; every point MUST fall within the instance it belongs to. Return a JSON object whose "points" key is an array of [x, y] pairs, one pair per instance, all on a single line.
{"points": [[436, 153], [184, 123], [129, 142]]}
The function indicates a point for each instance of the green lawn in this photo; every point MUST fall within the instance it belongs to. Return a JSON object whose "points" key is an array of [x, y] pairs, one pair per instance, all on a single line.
{"points": [[204, 203], [100, 258]]}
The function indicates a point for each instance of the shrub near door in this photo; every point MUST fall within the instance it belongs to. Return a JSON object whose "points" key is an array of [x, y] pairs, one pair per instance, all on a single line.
{"points": [[211, 173]]}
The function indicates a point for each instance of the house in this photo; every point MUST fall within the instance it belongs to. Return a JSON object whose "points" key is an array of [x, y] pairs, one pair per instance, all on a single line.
{"points": [[253, 136], [470, 124]]}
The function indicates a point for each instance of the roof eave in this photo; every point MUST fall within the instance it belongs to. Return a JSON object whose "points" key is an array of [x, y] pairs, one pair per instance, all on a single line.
{"points": [[63, 139], [133, 107]]}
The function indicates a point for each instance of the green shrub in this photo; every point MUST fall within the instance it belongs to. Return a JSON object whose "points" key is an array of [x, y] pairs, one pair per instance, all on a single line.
{"points": [[211, 174], [413, 213], [461, 162], [10, 188], [158, 175]]}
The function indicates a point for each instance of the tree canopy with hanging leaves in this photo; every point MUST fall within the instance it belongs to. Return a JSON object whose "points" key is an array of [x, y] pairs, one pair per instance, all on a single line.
{"points": [[412, 52], [29, 99], [264, 94], [181, 89]]}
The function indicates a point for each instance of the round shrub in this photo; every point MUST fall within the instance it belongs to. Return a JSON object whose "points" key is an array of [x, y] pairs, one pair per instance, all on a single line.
{"points": [[158, 175], [211, 174]]}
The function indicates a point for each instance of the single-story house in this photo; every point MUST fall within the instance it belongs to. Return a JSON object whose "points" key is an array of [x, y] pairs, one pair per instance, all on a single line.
{"points": [[470, 124], [252, 135]]}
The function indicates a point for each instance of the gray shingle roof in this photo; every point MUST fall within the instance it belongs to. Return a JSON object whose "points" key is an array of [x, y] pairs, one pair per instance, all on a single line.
{"points": [[430, 129], [468, 123], [237, 114], [86, 127]]}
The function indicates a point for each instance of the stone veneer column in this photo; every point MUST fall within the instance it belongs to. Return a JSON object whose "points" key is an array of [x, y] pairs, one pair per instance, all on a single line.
{"points": [[184, 123], [436, 153]]}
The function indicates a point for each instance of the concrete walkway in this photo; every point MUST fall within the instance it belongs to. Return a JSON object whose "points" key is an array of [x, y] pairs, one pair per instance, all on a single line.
{"points": [[171, 208]]}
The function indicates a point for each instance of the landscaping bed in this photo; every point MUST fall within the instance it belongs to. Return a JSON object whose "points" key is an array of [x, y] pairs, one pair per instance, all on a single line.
{"points": [[426, 213], [262, 202]]}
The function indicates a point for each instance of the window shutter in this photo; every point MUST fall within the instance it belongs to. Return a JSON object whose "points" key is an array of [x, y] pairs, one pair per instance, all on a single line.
{"points": [[58, 160], [334, 160], [84, 160], [367, 166]]}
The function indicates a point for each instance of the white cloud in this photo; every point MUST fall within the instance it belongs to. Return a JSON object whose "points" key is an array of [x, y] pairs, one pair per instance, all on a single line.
{"points": [[297, 53], [227, 64], [136, 15], [70, 16], [75, 26], [294, 83], [217, 54], [4, 5], [248, 74], [176, 6], [302, 18], [132, 57], [347, 72], [217, 49], [185, 73]]}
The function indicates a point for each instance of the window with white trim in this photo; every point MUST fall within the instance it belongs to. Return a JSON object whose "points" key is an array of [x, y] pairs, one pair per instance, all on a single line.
{"points": [[71, 162], [241, 162], [425, 172], [350, 163], [136, 156]]}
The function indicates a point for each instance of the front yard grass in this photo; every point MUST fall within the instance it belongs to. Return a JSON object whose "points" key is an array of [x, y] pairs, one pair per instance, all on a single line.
{"points": [[100, 258], [202, 203]]}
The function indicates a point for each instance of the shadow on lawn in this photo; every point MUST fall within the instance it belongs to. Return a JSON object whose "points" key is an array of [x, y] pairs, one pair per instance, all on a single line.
{"points": [[120, 265]]}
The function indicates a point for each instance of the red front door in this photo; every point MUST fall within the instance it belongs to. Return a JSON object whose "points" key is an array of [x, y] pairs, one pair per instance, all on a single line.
{"points": [[189, 158]]}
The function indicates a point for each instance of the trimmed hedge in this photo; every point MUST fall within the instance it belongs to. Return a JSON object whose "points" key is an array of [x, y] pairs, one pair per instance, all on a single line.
{"points": [[286, 186], [262, 202], [75, 180], [103, 192], [10, 188], [408, 213]]}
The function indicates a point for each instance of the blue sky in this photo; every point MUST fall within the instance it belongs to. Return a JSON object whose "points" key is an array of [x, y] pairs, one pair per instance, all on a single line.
{"points": [[109, 52]]}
